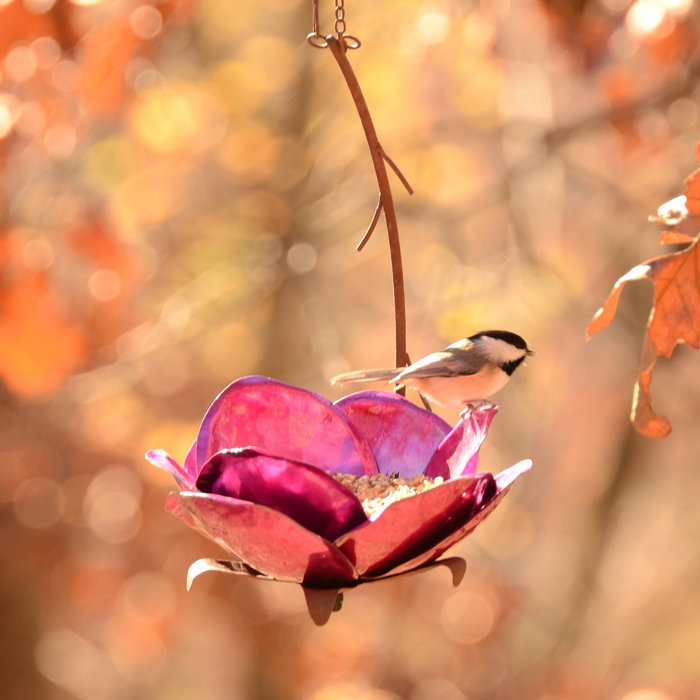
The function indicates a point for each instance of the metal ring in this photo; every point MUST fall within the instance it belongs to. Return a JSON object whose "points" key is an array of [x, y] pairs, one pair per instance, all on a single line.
{"points": [[317, 41], [351, 42]]}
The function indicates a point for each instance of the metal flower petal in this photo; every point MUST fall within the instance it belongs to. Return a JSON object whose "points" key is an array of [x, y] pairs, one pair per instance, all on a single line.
{"points": [[270, 542], [503, 482], [305, 493], [161, 459], [410, 526], [458, 454], [286, 421], [403, 437]]}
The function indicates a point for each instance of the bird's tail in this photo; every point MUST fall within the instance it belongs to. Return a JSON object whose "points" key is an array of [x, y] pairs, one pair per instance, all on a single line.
{"points": [[365, 375]]}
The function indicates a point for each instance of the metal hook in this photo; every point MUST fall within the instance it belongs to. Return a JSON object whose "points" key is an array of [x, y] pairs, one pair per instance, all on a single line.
{"points": [[318, 41]]}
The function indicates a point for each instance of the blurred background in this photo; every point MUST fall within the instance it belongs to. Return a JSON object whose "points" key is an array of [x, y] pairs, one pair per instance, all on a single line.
{"points": [[182, 187]]}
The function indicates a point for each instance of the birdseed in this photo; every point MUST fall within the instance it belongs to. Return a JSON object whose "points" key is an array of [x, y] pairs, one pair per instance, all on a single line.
{"points": [[378, 491]]}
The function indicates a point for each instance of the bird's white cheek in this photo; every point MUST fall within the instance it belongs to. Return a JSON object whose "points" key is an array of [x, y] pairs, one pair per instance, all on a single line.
{"points": [[456, 391]]}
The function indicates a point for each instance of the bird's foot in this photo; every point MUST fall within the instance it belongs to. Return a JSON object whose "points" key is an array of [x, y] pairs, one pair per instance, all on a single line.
{"points": [[475, 405]]}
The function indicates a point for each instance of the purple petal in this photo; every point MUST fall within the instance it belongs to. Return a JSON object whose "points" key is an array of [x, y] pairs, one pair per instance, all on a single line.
{"points": [[268, 541], [503, 481], [161, 459], [458, 454], [402, 436], [305, 493], [413, 525], [190, 463], [505, 478], [286, 421]]}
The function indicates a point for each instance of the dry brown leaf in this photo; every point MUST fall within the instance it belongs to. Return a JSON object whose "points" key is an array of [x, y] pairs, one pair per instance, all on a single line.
{"points": [[644, 419], [675, 314], [674, 237]]}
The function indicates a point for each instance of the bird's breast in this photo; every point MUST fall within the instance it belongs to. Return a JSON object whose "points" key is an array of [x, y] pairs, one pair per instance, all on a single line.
{"points": [[460, 389]]}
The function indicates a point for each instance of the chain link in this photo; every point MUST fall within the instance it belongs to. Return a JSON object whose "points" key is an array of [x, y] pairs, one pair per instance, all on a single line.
{"points": [[317, 40], [340, 25]]}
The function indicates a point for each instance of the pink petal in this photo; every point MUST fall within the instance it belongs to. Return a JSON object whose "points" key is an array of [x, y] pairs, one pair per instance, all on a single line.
{"points": [[161, 459], [413, 525], [402, 436], [503, 481], [505, 478], [458, 454], [268, 541], [286, 421], [306, 494], [190, 463]]}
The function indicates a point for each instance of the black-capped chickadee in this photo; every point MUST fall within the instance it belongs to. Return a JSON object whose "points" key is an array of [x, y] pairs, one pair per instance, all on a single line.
{"points": [[467, 371]]}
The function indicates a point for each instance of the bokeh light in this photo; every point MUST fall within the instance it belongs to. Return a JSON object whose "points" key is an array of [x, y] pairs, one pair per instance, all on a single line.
{"points": [[112, 503], [38, 502]]}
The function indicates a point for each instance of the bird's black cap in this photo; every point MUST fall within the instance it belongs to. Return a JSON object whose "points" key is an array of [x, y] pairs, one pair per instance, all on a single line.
{"points": [[508, 337]]}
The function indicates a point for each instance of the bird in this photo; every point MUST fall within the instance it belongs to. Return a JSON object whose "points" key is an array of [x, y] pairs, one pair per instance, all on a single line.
{"points": [[463, 374]]}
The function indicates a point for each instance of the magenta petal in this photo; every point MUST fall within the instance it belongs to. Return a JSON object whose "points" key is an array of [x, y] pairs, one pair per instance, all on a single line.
{"points": [[190, 463], [268, 541], [505, 478], [286, 421], [413, 525], [402, 436], [305, 493], [160, 458], [458, 454], [503, 482]]}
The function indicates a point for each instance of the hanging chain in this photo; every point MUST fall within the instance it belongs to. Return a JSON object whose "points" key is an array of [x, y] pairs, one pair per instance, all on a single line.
{"points": [[340, 18], [317, 40]]}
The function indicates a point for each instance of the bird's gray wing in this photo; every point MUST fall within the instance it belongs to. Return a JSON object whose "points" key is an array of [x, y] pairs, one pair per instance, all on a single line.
{"points": [[451, 362]]}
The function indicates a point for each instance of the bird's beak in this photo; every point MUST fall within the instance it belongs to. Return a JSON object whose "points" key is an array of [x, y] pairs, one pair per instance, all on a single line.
{"points": [[529, 352]]}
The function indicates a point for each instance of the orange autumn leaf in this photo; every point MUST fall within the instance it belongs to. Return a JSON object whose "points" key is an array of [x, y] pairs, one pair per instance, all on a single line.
{"points": [[675, 314], [17, 23], [674, 237], [93, 242], [39, 348], [672, 46], [106, 52], [692, 191], [644, 418], [110, 308]]}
